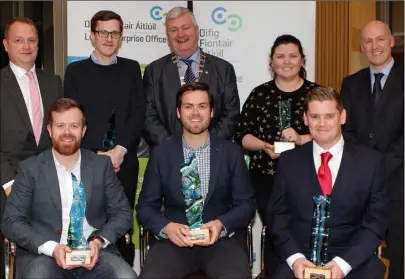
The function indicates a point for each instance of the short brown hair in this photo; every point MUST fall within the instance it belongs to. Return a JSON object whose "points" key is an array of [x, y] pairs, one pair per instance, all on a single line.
{"points": [[20, 20], [105, 16], [65, 104], [193, 86], [323, 93]]}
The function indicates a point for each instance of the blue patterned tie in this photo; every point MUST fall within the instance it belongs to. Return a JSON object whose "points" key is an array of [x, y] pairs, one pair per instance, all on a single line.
{"points": [[75, 238], [189, 76], [191, 187]]}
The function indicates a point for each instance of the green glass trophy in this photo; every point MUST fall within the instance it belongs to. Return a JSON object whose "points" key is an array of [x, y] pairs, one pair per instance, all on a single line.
{"points": [[284, 117], [320, 239], [110, 135], [75, 240], [194, 203]]}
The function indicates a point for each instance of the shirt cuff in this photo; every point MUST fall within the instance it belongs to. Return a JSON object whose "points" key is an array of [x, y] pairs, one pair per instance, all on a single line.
{"points": [[223, 233], [47, 248], [162, 234], [125, 150], [344, 266], [105, 243], [8, 184], [291, 259]]}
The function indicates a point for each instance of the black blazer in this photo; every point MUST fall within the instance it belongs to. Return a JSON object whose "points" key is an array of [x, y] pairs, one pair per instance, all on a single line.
{"points": [[230, 194], [380, 128], [359, 204], [161, 82]]}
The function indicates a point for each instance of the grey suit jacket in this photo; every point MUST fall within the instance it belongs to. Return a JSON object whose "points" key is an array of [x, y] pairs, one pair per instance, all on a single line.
{"points": [[33, 213], [161, 82]]}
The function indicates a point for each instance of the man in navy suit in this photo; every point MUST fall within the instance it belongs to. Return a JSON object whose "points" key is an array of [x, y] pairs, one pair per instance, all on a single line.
{"points": [[354, 178], [374, 100], [226, 190]]}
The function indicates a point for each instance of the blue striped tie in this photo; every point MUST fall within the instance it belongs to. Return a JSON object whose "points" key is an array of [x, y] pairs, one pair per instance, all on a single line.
{"points": [[189, 76]]}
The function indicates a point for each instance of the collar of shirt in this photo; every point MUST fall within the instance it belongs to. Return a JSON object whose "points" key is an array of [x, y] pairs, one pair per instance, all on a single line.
{"points": [[20, 72], [200, 149], [334, 150], [95, 60], [76, 168], [386, 71]]}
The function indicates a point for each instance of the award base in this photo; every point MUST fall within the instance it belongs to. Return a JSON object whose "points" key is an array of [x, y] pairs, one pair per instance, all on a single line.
{"points": [[78, 257], [281, 146], [200, 236], [317, 273]]}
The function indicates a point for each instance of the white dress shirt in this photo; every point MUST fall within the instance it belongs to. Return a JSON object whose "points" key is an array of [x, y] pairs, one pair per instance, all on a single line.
{"points": [[66, 195], [334, 164], [23, 82]]}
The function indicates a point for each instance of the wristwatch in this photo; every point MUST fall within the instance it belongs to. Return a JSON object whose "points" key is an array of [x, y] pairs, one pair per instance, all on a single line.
{"points": [[99, 238]]}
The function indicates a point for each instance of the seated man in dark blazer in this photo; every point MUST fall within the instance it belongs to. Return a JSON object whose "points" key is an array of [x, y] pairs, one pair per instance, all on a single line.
{"points": [[224, 189], [187, 62], [62, 191], [353, 177]]}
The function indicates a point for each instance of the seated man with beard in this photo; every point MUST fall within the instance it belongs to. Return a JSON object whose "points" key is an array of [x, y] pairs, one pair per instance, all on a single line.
{"points": [[63, 196]]}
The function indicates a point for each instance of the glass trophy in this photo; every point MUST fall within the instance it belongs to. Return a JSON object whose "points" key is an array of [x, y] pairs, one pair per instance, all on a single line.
{"points": [[75, 240], [194, 203], [284, 117], [110, 135], [319, 239]]}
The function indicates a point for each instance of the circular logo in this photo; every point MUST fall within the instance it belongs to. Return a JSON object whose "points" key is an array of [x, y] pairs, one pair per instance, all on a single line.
{"points": [[235, 22], [156, 13], [218, 16]]}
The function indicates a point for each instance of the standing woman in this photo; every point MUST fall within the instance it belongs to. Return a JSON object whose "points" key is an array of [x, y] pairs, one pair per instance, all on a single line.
{"points": [[259, 125]]}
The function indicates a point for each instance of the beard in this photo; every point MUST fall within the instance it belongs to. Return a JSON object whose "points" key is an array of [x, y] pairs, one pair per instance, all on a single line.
{"points": [[196, 128], [66, 148]]}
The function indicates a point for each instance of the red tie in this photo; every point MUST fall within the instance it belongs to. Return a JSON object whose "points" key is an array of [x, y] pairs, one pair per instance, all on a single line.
{"points": [[324, 174]]}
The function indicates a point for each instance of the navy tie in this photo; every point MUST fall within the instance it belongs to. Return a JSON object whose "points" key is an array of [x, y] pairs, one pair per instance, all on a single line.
{"points": [[377, 87], [189, 76]]}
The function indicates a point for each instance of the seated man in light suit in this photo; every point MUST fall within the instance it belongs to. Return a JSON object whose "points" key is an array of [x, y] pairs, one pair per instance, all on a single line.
{"points": [[354, 178], [38, 217], [225, 188]]}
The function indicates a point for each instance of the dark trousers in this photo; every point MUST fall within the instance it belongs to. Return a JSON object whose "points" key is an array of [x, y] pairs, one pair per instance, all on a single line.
{"points": [[263, 188], [3, 200], [227, 258], [395, 240], [128, 176], [373, 268]]}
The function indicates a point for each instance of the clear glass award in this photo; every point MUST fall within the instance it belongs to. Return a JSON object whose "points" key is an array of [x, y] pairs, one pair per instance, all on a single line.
{"points": [[320, 238], [284, 117], [75, 240], [191, 188], [110, 135]]}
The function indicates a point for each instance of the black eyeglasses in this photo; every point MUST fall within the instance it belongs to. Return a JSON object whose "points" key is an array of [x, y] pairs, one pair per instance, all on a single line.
{"points": [[105, 34]]}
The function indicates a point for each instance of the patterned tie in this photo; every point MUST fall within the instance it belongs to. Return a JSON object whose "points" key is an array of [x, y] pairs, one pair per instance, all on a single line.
{"points": [[191, 188], [189, 76], [37, 117], [377, 87], [75, 237], [324, 174]]}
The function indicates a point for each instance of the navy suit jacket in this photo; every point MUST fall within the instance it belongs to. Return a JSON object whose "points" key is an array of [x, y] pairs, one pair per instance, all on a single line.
{"points": [[380, 128], [230, 194], [358, 209]]}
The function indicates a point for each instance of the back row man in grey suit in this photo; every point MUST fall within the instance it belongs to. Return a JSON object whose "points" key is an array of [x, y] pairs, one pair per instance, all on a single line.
{"points": [[187, 62], [26, 94], [38, 213]]}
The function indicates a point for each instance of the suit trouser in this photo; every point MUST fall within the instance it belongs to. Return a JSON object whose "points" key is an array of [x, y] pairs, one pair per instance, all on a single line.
{"points": [[262, 195], [373, 268], [3, 200], [227, 258], [128, 176], [395, 240]]}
